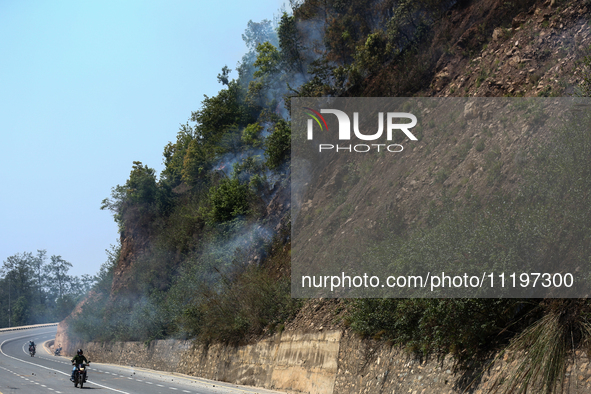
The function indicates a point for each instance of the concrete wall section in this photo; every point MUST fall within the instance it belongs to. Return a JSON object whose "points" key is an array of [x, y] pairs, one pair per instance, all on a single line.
{"points": [[303, 362]]}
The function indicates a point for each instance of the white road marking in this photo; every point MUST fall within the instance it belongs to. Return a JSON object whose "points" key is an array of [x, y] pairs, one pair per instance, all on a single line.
{"points": [[51, 369]]}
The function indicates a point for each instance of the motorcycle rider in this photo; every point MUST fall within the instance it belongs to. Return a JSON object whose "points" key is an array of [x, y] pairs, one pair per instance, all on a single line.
{"points": [[77, 360], [32, 346]]}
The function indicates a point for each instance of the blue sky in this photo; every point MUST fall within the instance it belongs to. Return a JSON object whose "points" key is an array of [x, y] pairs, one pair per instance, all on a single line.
{"points": [[86, 88]]}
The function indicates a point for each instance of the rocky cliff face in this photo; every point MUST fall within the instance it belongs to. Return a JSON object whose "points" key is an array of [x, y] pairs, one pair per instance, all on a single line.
{"points": [[536, 56]]}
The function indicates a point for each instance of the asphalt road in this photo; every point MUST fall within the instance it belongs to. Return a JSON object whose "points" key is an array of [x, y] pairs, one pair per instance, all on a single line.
{"points": [[44, 373]]}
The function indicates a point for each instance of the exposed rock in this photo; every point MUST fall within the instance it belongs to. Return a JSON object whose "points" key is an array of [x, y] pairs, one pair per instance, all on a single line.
{"points": [[498, 34], [470, 111], [519, 20]]}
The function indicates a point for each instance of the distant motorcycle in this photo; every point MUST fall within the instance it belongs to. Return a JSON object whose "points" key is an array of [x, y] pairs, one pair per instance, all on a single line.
{"points": [[32, 350], [80, 375], [57, 352]]}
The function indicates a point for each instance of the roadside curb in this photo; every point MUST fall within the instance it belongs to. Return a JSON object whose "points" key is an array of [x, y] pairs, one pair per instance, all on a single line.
{"points": [[46, 346], [28, 327]]}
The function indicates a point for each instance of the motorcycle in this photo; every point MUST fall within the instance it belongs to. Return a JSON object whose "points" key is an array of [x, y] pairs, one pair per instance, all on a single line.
{"points": [[80, 375], [32, 350], [57, 351]]}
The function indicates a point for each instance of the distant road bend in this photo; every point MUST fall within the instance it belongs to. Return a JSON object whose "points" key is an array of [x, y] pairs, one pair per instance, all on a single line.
{"points": [[20, 373]]}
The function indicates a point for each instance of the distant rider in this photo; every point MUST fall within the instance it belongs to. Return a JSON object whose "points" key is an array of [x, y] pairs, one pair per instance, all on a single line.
{"points": [[77, 360], [32, 346]]}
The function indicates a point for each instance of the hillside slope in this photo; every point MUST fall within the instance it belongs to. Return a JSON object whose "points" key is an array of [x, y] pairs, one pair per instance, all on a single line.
{"points": [[160, 286]]}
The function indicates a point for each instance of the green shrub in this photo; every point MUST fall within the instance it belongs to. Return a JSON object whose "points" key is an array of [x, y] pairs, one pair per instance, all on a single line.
{"points": [[251, 135], [480, 146], [228, 200], [442, 175], [278, 144], [463, 327], [252, 302]]}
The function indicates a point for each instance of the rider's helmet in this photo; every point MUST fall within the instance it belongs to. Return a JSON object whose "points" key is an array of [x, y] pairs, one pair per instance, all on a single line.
{"points": [[80, 352]]}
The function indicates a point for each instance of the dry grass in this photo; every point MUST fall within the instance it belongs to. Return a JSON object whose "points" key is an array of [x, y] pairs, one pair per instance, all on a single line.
{"points": [[540, 355]]}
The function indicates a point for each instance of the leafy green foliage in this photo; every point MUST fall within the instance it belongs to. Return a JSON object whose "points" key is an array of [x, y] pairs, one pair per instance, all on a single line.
{"points": [[251, 135], [463, 327], [141, 186], [372, 55], [213, 295], [57, 274], [346, 32], [220, 113], [290, 44], [243, 301], [255, 34], [139, 200], [228, 200], [197, 277], [197, 162], [268, 60], [382, 45], [174, 155], [258, 33], [34, 291], [223, 76], [253, 301], [267, 79], [278, 144]]}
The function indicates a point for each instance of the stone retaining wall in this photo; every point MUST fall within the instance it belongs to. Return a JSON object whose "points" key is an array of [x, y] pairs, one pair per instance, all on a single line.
{"points": [[302, 362], [321, 362]]}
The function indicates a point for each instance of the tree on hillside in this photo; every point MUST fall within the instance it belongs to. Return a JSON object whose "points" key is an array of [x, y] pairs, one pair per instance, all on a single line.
{"points": [[139, 200], [57, 275], [291, 45], [18, 270], [174, 155], [257, 33], [37, 268], [33, 291], [18, 279]]}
